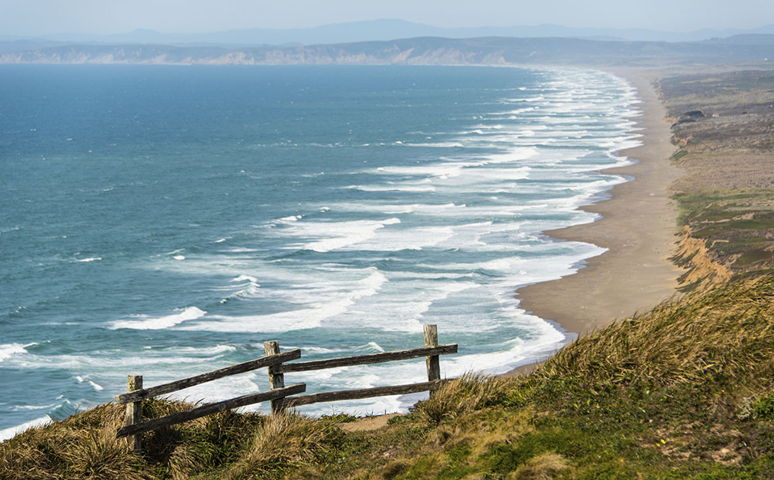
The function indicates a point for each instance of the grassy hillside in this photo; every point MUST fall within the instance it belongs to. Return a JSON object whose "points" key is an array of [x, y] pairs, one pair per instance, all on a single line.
{"points": [[684, 391]]}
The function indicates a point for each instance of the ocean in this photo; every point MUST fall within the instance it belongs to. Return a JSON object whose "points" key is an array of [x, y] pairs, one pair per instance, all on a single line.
{"points": [[166, 221]]}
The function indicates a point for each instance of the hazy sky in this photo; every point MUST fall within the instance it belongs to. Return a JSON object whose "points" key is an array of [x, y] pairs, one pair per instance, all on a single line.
{"points": [[37, 17]]}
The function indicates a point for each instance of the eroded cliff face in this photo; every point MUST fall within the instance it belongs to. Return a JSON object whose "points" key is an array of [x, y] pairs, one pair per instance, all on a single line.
{"points": [[365, 54], [703, 269]]}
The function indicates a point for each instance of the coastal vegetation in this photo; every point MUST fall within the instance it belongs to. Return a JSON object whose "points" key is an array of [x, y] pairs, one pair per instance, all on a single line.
{"points": [[724, 128]]}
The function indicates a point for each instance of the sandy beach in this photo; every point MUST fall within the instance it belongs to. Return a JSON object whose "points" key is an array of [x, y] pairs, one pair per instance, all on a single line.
{"points": [[638, 228]]}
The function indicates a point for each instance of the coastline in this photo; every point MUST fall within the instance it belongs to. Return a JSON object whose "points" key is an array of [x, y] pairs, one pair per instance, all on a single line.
{"points": [[638, 227], [560, 307]]}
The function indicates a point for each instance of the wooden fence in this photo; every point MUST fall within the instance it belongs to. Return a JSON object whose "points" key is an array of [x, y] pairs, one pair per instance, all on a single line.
{"points": [[280, 396]]}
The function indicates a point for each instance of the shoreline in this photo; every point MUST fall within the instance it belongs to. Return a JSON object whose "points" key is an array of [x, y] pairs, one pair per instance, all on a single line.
{"points": [[638, 227]]}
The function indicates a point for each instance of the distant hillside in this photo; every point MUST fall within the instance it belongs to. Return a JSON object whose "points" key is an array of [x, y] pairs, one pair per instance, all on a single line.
{"points": [[9, 46], [387, 29], [751, 39], [416, 51]]}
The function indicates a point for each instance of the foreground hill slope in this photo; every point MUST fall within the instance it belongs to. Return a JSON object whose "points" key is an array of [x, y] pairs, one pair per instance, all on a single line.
{"points": [[684, 391]]}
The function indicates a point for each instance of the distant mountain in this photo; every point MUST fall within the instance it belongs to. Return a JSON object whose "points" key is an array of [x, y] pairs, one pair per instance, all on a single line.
{"points": [[388, 29], [420, 51]]}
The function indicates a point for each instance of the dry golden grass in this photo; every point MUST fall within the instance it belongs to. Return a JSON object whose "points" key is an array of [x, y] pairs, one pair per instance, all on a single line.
{"points": [[283, 442], [542, 467], [82, 447], [727, 331], [461, 395], [85, 446]]}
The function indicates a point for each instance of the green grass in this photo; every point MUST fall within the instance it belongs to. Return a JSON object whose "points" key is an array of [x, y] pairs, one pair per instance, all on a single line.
{"points": [[678, 155], [752, 257], [718, 205]]}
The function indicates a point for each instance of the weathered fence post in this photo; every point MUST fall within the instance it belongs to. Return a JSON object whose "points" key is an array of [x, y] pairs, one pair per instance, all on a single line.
{"points": [[433, 363], [134, 411], [276, 380]]}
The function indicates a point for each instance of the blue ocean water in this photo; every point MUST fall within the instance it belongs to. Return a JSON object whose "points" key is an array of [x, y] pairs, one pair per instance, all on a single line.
{"points": [[166, 221]]}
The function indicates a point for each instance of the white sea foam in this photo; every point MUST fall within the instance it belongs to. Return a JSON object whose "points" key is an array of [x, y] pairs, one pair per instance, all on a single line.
{"points": [[336, 235], [22, 408], [246, 278], [390, 187], [370, 347], [513, 155], [204, 352], [441, 170], [145, 323], [10, 349], [452, 211], [96, 386], [406, 239], [407, 310], [87, 260], [222, 389], [547, 340], [9, 433], [311, 316], [113, 363], [440, 144], [319, 350], [248, 286]]}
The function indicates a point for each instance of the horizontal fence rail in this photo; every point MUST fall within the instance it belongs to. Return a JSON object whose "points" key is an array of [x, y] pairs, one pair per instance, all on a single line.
{"points": [[365, 359], [209, 409], [358, 394], [207, 377]]}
